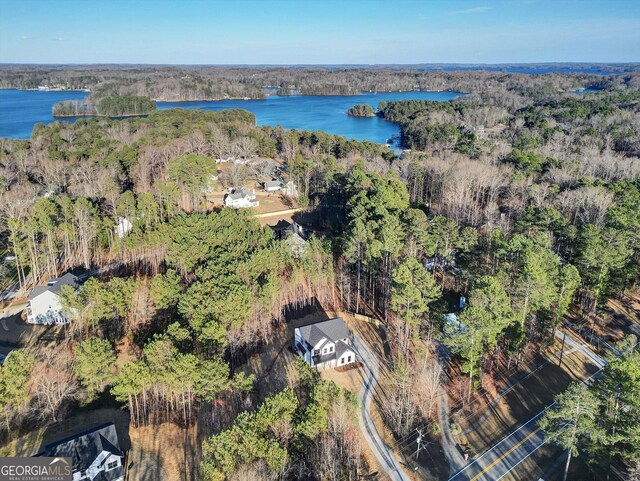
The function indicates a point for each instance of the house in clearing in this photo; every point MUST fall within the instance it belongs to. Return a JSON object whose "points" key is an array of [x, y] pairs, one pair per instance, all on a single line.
{"points": [[325, 344], [241, 198], [273, 186], [44, 301], [95, 454]]}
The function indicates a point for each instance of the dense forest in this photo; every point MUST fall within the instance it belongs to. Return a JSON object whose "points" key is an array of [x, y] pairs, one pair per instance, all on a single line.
{"points": [[116, 106], [521, 196], [181, 83]]}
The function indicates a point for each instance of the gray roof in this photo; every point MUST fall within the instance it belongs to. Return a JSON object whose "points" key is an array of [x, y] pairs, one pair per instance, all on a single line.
{"points": [[83, 448], [55, 285], [272, 183], [241, 193], [282, 225], [333, 329]]}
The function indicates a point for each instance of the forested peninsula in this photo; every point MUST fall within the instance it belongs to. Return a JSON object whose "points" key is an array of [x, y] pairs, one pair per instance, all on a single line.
{"points": [[116, 106]]}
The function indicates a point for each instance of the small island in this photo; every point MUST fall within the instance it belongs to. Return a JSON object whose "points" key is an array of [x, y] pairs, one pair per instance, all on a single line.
{"points": [[115, 106], [361, 110]]}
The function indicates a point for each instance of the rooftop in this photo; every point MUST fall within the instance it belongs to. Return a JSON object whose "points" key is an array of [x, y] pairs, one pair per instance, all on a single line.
{"points": [[242, 193], [333, 329], [55, 285], [83, 448]]}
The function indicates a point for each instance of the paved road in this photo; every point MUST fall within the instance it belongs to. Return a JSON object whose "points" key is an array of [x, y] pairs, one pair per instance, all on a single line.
{"points": [[504, 456], [377, 445], [577, 345]]}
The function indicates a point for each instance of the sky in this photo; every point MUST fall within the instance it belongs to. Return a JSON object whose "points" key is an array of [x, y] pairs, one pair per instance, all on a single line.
{"points": [[319, 31]]}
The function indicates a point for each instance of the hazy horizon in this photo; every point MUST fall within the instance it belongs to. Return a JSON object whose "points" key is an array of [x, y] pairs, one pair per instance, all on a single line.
{"points": [[364, 65]]}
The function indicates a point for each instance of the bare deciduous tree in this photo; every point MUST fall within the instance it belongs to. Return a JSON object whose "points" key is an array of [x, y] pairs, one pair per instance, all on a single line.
{"points": [[53, 384]]}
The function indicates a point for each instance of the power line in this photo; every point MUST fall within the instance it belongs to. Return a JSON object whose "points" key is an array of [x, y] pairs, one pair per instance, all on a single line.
{"points": [[419, 442]]}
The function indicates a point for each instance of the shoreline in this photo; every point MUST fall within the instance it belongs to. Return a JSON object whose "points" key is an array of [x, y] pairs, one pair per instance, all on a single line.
{"points": [[101, 115], [363, 116], [363, 93], [208, 100], [45, 90]]}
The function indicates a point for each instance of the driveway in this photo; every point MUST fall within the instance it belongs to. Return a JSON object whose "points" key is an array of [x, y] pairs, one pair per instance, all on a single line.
{"points": [[14, 332], [449, 446], [380, 450]]}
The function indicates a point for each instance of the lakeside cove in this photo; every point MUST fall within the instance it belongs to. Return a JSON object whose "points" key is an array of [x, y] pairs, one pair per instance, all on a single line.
{"points": [[20, 110]]}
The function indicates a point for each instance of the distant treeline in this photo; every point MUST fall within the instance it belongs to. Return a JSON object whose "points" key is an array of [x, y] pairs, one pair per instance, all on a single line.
{"points": [[183, 83], [116, 106]]}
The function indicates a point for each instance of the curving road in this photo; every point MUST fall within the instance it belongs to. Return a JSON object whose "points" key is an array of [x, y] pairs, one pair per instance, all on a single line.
{"points": [[377, 445], [504, 456]]}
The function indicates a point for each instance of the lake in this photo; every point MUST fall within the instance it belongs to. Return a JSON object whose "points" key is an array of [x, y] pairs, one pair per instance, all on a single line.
{"points": [[20, 110], [326, 113]]}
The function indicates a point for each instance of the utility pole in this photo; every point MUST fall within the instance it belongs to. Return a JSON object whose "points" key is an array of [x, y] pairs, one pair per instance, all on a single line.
{"points": [[562, 348], [419, 442]]}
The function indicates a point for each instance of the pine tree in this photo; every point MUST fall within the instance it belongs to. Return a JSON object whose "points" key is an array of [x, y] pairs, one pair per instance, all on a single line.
{"points": [[94, 363], [571, 419]]}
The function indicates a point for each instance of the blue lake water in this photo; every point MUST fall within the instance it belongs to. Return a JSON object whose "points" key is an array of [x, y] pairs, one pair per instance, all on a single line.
{"points": [[326, 113], [20, 110]]}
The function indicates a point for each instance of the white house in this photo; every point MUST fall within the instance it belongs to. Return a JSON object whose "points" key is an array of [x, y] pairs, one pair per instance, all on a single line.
{"points": [[44, 301], [241, 198], [273, 186], [123, 227], [325, 344], [95, 454]]}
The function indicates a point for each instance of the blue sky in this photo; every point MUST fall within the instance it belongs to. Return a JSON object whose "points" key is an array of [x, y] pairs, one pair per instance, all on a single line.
{"points": [[313, 32]]}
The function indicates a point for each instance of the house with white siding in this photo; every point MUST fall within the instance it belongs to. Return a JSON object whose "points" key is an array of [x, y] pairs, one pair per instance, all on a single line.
{"points": [[325, 344], [44, 301], [239, 198], [273, 186]]}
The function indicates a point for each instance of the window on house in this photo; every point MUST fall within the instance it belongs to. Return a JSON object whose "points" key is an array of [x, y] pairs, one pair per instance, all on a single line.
{"points": [[330, 348], [316, 352], [349, 359], [112, 465]]}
